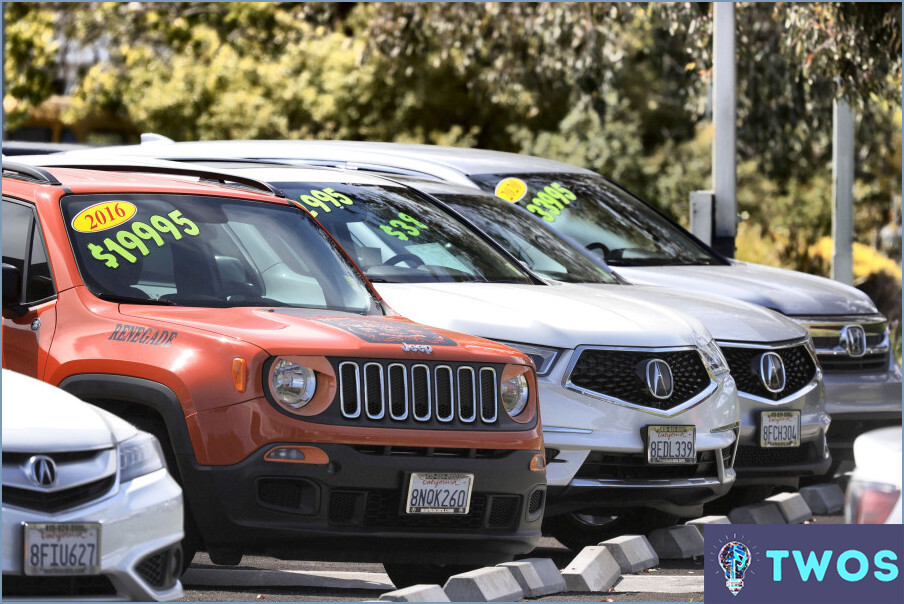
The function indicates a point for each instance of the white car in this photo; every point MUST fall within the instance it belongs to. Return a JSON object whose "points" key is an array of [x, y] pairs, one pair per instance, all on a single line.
{"points": [[89, 511], [874, 491]]}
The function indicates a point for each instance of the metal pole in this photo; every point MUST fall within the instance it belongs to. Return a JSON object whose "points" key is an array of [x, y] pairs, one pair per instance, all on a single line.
{"points": [[842, 192], [724, 101]]}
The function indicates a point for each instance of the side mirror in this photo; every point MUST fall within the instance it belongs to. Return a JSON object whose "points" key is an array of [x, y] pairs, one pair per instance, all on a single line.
{"points": [[12, 280]]}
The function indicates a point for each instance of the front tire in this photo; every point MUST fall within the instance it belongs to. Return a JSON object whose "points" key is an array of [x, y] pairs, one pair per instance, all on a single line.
{"points": [[578, 530]]}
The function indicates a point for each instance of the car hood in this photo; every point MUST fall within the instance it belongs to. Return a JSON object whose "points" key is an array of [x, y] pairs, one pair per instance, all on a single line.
{"points": [[789, 292], [561, 316], [287, 331], [726, 319], [41, 418]]}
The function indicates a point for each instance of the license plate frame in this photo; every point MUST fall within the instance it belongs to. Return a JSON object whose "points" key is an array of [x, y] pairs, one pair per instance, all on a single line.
{"points": [[450, 490], [78, 550], [766, 419], [666, 434]]}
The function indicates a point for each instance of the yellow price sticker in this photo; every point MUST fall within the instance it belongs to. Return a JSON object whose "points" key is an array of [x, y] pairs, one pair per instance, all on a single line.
{"points": [[511, 189], [103, 216]]}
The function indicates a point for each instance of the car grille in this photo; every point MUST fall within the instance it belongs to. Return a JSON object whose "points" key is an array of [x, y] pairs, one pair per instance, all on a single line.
{"points": [[832, 355], [422, 394], [45, 501], [161, 570], [621, 375], [634, 466], [383, 509], [753, 456], [744, 363]]}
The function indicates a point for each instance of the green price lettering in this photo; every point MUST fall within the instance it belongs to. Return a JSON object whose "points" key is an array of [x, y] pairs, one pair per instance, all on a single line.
{"points": [[550, 201], [409, 225], [321, 197], [135, 237]]}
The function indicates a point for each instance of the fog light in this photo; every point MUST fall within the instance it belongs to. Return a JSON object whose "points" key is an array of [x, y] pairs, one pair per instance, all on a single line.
{"points": [[298, 454]]}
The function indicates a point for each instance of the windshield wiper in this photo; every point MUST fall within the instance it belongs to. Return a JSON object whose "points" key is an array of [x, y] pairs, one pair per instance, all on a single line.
{"points": [[130, 300]]}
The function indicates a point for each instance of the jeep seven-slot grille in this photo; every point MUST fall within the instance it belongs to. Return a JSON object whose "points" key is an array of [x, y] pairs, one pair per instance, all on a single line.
{"points": [[744, 363], [418, 392], [621, 374]]}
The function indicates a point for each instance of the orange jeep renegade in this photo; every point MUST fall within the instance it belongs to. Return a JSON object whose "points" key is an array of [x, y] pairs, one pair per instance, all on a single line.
{"points": [[302, 416]]}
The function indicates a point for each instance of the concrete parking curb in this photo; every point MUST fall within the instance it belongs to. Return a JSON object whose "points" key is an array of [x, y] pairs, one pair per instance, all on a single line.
{"points": [[793, 507], [594, 569], [700, 523], [416, 593], [765, 512], [677, 542], [492, 584], [536, 576], [632, 552], [824, 498]]}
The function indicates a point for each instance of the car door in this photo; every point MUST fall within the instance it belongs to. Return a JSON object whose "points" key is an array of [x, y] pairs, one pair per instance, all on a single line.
{"points": [[27, 329]]}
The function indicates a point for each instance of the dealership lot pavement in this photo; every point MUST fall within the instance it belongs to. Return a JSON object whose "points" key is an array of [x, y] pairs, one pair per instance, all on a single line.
{"points": [[261, 579]]}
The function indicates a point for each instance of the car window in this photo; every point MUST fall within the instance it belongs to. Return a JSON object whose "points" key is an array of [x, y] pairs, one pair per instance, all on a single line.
{"points": [[604, 218], [395, 235], [203, 251], [23, 247], [541, 249]]}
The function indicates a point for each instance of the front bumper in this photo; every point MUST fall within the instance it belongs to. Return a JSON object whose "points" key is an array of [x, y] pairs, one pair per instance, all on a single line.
{"points": [[141, 530], [597, 455], [349, 505], [784, 465]]}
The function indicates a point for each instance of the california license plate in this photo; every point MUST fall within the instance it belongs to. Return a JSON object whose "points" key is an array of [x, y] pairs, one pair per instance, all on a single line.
{"points": [[62, 549], [780, 429], [671, 444], [439, 493]]}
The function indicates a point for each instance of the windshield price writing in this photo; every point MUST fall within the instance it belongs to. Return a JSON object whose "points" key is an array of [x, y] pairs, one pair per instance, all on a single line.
{"points": [[140, 232]]}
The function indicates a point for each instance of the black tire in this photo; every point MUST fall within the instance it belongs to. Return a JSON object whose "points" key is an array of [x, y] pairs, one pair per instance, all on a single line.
{"points": [[406, 575], [191, 542], [579, 530], [737, 497]]}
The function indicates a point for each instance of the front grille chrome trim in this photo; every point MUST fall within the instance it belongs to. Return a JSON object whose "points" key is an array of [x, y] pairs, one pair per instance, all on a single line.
{"points": [[342, 402]]}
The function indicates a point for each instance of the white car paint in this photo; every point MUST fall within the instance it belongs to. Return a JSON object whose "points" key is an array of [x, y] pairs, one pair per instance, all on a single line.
{"points": [[139, 517]]}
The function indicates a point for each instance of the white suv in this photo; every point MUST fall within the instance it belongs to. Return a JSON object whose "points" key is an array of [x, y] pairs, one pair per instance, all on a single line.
{"points": [[89, 510]]}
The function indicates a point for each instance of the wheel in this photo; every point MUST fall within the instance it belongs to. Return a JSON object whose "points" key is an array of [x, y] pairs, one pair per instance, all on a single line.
{"points": [[578, 530], [737, 497], [405, 574], [191, 542]]}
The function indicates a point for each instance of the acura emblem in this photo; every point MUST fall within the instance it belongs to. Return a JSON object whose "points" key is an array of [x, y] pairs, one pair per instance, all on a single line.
{"points": [[772, 372], [659, 378], [42, 470], [853, 340]]}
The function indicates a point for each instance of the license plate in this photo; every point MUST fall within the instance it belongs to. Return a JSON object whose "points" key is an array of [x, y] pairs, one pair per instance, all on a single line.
{"points": [[780, 429], [62, 549], [671, 444], [439, 493]]}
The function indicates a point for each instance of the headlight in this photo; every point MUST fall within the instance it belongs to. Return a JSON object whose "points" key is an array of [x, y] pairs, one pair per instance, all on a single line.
{"points": [[713, 356], [543, 358], [515, 394], [291, 384], [138, 456]]}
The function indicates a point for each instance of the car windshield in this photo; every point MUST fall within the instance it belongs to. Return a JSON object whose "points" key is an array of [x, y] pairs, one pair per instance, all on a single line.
{"points": [[604, 218], [397, 236], [185, 250], [541, 249]]}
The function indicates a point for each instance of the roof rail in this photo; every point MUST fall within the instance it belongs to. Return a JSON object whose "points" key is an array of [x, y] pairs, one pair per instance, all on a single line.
{"points": [[31, 172], [218, 177], [153, 137]]}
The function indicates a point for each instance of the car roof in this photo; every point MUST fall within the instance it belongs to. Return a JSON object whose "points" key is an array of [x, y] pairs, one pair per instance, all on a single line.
{"points": [[80, 180], [449, 163]]}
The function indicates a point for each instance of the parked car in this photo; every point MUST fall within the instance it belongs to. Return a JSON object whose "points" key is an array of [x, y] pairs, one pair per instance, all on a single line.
{"points": [[862, 377], [874, 489], [640, 414], [89, 510], [304, 418]]}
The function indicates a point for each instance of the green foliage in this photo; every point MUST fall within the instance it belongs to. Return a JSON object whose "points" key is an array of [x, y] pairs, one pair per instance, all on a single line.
{"points": [[31, 53]]}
